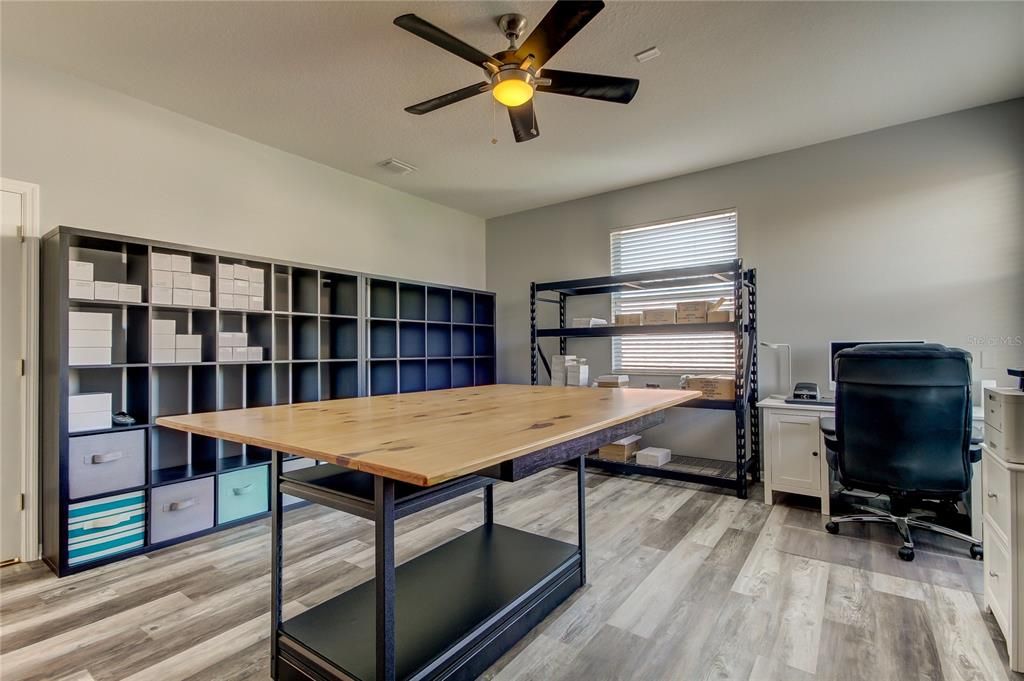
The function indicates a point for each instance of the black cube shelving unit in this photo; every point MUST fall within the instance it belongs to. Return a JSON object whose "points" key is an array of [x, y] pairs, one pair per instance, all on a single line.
{"points": [[325, 333]]}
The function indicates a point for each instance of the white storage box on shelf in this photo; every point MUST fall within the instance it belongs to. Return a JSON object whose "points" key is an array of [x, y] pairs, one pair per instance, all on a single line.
{"points": [[80, 271], [181, 263], [80, 289], [105, 290], [89, 411], [161, 261], [159, 295], [90, 338], [129, 293], [182, 296], [653, 456], [161, 278]]}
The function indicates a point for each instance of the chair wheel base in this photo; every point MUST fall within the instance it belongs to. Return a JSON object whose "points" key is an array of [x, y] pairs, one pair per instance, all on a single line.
{"points": [[906, 553], [977, 552], [831, 527]]}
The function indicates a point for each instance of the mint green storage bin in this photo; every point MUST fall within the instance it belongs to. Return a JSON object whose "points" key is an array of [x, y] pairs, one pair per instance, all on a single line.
{"points": [[243, 493]]}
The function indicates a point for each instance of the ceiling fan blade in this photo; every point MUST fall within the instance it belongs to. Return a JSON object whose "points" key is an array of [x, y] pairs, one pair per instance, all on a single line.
{"points": [[444, 40], [524, 122], [563, 21], [449, 98], [590, 85]]}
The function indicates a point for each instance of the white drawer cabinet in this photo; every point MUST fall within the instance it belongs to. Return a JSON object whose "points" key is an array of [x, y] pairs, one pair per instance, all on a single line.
{"points": [[794, 454], [1003, 490]]}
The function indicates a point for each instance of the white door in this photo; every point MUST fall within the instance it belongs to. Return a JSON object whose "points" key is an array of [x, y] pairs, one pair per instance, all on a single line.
{"points": [[795, 451], [12, 315]]}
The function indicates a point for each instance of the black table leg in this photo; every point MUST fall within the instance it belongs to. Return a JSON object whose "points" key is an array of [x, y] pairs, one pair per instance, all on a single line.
{"points": [[489, 505], [581, 513], [276, 558], [384, 525]]}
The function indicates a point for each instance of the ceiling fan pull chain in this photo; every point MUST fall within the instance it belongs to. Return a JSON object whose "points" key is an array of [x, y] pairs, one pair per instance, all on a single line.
{"points": [[494, 122]]}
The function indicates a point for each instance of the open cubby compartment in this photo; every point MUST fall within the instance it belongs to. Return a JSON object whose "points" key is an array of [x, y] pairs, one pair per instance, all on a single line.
{"points": [[339, 380], [412, 339], [383, 377], [112, 260], [230, 455], [203, 453], [462, 373], [383, 299], [412, 302], [483, 368], [439, 304], [439, 340], [114, 381], [462, 340], [118, 328], [305, 382], [204, 323], [412, 375], [339, 338], [204, 389], [339, 294], [305, 291], [439, 374], [483, 305], [282, 383], [383, 339], [170, 390], [282, 283], [305, 338], [136, 335], [259, 385], [172, 459], [462, 307], [483, 340], [255, 456], [232, 386], [260, 328], [136, 394], [282, 338]]}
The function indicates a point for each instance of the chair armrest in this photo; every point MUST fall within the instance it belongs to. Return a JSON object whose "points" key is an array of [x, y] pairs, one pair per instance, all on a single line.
{"points": [[828, 426]]}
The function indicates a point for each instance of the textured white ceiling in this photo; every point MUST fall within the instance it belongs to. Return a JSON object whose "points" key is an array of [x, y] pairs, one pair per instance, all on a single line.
{"points": [[736, 80]]}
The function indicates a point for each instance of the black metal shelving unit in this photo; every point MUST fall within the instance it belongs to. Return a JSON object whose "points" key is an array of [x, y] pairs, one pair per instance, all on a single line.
{"points": [[744, 330]]}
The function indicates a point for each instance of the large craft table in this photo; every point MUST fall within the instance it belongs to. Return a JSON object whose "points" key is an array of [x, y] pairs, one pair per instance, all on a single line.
{"points": [[451, 612]]}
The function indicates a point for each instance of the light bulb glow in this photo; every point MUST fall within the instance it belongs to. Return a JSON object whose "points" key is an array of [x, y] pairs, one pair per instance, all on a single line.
{"points": [[513, 92]]}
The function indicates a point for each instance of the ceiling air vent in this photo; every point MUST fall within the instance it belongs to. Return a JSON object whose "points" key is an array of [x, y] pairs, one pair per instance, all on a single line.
{"points": [[397, 167]]}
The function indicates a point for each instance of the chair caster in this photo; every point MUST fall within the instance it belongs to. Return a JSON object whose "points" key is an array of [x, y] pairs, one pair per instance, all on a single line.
{"points": [[831, 527], [906, 553], [977, 552]]}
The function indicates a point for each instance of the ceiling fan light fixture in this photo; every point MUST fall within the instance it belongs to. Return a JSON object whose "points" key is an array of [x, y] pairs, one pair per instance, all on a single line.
{"points": [[513, 87]]}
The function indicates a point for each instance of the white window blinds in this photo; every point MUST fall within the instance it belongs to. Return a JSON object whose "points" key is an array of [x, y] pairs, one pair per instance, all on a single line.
{"points": [[688, 242]]}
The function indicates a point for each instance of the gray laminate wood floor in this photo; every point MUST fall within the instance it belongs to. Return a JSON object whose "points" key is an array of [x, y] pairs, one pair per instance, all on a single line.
{"points": [[685, 583]]}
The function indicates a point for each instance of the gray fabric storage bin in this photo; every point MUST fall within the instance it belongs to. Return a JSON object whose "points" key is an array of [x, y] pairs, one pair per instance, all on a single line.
{"points": [[103, 463], [180, 509]]}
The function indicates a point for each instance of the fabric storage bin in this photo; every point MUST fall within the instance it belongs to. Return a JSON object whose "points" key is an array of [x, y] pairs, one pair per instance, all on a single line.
{"points": [[294, 465], [106, 527], [242, 493], [107, 462], [180, 509]]}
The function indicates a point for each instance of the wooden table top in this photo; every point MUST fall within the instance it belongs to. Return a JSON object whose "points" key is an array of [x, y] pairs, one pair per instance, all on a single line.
{"points": [[428, 437]]}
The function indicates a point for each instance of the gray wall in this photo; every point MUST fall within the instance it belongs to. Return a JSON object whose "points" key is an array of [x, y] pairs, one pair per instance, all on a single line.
{"points": [[914, 231], [109, 162]]}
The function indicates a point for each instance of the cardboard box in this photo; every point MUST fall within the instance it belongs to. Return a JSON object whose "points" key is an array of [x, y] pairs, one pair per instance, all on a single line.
{"points": [[101, 321], [82, 290], [161, 261], [255, 275], [696, 311], [105, 290], [183, 341], [225, 354], [162, 341], [225, 285], [255, 302], [240, 354], [620, 450], [182, 296], [164, 278], [612, 381], [225, 271], [163, 326], [79, 270], [653, 456], [181, 263], [90, 420], [159, 295], [225, 300], [629, 319], [162, 356], [240, 302], [200, 282], [182, 280], [201, 298], [242, 286], [577, 374], [660, 315], [90, 402], [188, 355], [90, 338], [254, 354], [587, 322], [85, 356], [129, 293], [719, 316], [712, 387]]}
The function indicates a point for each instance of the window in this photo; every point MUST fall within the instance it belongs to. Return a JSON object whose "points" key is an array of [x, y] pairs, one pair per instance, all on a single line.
{"points": [[686, 242]]}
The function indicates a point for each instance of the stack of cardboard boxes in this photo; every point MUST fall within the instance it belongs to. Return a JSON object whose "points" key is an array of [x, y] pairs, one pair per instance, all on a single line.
{"points": [[82, 286], [173, 283], [712, 387], [89, 411], [690, 312], [233, 346], [569, 370], [169, 347], [239, 287], [90, 338]]}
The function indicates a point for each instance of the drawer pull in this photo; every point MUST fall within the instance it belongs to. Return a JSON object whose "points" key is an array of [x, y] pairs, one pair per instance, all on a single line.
{"points": [[993, 574], [244, 489], [991, 495], [108, 457], [110, 521], [179, 505], [814, 453]]}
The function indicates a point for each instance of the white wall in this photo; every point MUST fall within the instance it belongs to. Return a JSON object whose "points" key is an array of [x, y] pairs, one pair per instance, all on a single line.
{"points": [[914, 231], [109, 162]]}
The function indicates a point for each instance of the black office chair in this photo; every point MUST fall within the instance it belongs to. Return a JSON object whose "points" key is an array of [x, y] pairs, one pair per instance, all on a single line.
{"points": [[903, 429]]}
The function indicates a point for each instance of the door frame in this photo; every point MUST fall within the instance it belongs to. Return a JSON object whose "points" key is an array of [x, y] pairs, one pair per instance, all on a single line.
{"points": [[30, 539]]}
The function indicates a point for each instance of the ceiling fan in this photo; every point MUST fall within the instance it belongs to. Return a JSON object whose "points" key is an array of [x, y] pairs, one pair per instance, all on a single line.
{"points": [[513, 75]]}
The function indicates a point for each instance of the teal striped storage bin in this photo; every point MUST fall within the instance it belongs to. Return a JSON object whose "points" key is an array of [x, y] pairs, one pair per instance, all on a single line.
{"points": [[105, 527]]}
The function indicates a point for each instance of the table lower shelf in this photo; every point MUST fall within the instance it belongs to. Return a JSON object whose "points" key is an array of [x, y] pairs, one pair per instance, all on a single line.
{"points": [[457, 609]]}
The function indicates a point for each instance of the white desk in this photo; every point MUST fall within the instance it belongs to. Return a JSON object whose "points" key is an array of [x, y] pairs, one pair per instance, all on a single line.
{"points": [[794, 454]]}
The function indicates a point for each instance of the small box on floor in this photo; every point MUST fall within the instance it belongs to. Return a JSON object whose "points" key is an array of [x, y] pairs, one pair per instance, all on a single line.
{"points": [[660, 315], [653, 456], [629, 319], [712, 387], [620, 450]]}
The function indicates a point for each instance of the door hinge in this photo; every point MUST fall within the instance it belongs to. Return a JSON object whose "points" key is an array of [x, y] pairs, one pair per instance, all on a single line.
{"points": [[21, 502], [21, 233], [22, 367]]}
